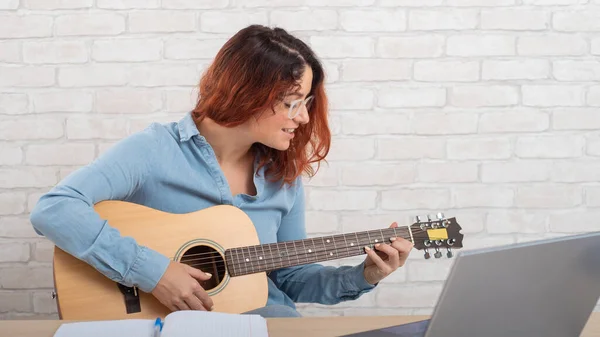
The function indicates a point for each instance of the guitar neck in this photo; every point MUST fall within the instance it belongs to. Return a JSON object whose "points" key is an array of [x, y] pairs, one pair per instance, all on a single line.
{"points": [[267, 257]]}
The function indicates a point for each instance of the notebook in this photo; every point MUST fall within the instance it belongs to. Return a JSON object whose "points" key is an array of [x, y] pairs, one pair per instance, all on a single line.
{"points": [[175, 324]]}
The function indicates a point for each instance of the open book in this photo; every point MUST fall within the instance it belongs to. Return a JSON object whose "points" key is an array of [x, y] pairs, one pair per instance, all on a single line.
{"points": [[176, 324]]}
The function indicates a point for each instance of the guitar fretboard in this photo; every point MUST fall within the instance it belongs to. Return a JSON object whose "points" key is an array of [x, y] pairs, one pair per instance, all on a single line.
{"points": [[261, 258]]}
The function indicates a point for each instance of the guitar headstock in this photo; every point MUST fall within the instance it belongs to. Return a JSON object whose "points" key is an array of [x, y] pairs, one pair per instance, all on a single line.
{"points": [[435, 234]]}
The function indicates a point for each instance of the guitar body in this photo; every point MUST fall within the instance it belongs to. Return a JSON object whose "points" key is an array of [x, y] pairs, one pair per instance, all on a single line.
{"points": [[83, 293]]}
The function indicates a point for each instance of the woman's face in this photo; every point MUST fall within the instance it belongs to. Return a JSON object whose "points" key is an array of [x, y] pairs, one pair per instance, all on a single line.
{"points": [[277, 130]]}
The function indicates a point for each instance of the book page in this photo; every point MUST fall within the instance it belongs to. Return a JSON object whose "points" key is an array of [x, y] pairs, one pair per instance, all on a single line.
{"points": [[115, 328], [213, 324]]}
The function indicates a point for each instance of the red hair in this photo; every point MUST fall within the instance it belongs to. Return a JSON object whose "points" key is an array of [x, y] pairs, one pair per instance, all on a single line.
{"points": [[251, 73]]}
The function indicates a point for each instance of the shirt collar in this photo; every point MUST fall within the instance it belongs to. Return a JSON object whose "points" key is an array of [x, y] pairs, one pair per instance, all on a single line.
{"points": [[187, 128]]}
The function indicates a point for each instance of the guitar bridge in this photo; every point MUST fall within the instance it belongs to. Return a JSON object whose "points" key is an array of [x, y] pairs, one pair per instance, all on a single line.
{"points": [[131, 298]]}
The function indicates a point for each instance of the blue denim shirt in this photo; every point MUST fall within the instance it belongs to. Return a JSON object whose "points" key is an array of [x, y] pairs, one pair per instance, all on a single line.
{"points": [[171, 167]]}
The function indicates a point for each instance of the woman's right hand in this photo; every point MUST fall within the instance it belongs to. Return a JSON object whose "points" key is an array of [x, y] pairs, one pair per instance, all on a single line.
{"points": [[179, 288]]}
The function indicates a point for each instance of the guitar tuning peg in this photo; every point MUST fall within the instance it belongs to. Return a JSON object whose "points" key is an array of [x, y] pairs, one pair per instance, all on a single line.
{"points": [[421, 221], [427, 255], [442, 222], [430, 221], [437, 254], [449, 253]]}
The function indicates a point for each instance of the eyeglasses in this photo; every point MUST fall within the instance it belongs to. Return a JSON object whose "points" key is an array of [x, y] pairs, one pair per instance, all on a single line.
{"points": [[297, 104]]}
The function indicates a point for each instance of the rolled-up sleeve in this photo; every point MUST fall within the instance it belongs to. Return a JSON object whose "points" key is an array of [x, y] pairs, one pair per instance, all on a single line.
{"points": [[66, 215]]}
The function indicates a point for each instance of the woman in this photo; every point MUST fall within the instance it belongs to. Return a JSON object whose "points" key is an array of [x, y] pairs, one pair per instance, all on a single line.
{"points": [[259, 123]]}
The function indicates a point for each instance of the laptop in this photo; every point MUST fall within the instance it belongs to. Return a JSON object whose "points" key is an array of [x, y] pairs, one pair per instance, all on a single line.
{"points": [[542, 288]]}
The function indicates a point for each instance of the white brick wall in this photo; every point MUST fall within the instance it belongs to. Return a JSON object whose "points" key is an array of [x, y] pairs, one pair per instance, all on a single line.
{"points": [[486, 110]]}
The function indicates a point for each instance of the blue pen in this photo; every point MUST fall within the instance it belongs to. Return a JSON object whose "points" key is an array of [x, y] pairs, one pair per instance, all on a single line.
{"points": [[157, 327]]}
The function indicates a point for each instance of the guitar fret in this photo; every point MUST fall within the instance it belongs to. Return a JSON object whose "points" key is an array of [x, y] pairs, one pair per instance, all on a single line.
{"points": [[239, 264], [296, 252], [281, 252], [287, 251], [230, 264], [279, 255], [249, 259], [333, 254], [347, 250], [257, 259], [244, 262], [274, 252], [293, 253], [334, 247], [272, 258], [264, 258], [347, 247], [305, 252], [382, 238]]}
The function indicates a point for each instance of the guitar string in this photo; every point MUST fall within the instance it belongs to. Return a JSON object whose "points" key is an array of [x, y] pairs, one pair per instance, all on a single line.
{"points": [[244, 267], [213, 254], [314, 249], [294, 253], [278, 244], [267, 262], [270, 259], [267, 244]]}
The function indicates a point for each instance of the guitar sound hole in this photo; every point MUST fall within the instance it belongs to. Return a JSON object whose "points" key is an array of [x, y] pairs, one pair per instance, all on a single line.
{"points": [[208, 260]]}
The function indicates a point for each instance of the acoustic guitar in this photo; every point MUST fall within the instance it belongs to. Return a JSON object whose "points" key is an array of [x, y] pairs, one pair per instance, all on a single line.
{"points": [[220, 240]]}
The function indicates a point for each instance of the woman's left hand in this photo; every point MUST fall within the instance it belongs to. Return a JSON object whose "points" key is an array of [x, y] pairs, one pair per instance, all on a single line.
{"points": [[386, 258]]}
